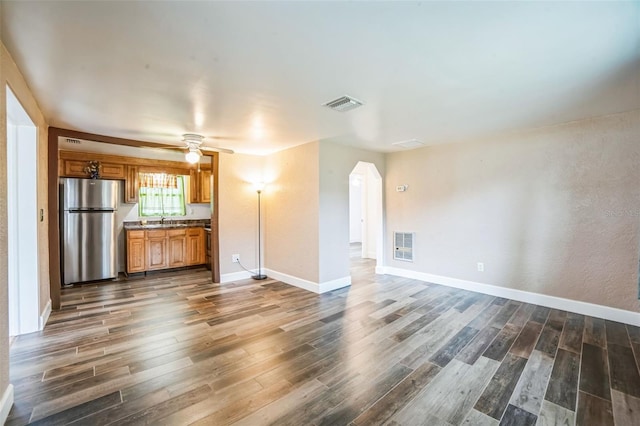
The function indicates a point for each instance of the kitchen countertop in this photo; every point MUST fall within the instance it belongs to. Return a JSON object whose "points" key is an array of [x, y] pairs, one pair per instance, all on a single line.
{"points": [[158, 225]]}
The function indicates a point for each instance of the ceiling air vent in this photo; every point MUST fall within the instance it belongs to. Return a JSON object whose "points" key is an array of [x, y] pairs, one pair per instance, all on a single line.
{"points": [[411, 143], [73, 141], [403, 246], [343, 103]]}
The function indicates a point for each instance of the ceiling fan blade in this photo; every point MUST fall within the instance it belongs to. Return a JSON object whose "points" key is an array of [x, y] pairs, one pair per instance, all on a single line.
{"points": [[202, 148], [215, 149]]}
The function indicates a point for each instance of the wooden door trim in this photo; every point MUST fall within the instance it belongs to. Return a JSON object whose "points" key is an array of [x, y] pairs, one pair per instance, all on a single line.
{"points": [[215, 241], [53, 215]]}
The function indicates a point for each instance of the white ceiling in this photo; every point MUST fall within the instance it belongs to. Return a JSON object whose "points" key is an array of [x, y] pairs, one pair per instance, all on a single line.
{"points": [[252, 75]]}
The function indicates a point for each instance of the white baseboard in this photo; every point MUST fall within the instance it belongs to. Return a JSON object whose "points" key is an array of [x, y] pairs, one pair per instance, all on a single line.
{"points": [[591, 309], [235, 276], [6, 403], [310, 285], [44, 317], [335, 284]]}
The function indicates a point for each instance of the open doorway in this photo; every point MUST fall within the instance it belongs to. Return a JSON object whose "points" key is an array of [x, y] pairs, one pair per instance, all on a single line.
{"points": [[365, 212], [22, 218]]}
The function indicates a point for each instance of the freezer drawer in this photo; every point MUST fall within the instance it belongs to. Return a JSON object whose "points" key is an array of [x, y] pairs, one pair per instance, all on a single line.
{"points": [[89, 246], [89, 194]]}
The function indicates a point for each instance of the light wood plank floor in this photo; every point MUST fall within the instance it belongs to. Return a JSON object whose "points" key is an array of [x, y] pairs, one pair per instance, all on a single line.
{"points": [[176, 349]]}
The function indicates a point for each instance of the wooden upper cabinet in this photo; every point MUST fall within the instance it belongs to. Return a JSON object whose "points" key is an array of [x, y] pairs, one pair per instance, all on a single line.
{"points": [[193, 186], [205, 186], [76, 168], [131, 184], [200, 186], [113, 171]]}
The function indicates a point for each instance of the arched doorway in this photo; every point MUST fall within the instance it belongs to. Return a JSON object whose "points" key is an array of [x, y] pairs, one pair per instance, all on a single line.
{"points": [[365, 211]]}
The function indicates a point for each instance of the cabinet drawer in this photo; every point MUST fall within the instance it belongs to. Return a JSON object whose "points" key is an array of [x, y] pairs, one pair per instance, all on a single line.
{"points": [[156, 234], [176, 232], [194, 232], [135, 233]]}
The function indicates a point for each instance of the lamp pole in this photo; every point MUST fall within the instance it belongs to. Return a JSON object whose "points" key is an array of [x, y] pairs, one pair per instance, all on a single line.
{"points": [[259, 275]]}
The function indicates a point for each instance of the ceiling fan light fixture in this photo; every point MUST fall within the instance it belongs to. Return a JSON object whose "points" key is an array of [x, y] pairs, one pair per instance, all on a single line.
{"points": [[193, 142], [192, 157], [192, 138]]}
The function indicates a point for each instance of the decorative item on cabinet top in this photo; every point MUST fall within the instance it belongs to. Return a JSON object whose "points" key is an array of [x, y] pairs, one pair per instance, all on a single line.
{"points": [[93, 169]]}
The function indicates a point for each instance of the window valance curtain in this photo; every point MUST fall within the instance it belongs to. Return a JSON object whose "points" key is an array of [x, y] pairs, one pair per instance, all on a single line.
{"points": [[161, 195], [157, 180]]}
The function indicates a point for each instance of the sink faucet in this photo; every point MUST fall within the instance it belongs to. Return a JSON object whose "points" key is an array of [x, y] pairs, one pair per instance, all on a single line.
{"points": [[162, 220]]}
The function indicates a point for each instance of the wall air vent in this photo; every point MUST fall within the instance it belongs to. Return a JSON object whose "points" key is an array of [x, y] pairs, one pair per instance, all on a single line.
{"points": [[403, 248], [343, 103], [73, 141], [411, 143]]}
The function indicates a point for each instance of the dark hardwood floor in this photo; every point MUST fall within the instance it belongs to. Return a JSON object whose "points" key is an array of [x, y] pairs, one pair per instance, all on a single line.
{"points": [[175, 349]]}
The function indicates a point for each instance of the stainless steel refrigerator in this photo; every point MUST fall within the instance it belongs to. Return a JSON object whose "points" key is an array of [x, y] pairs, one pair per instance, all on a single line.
{"points": [[87, 229]]}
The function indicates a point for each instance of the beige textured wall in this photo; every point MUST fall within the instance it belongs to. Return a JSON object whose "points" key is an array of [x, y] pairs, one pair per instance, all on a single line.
{"points": [[553, 211], [238, 213], [15, 80], [4, 304], [291, 211], [9, 74], [336, 163]]}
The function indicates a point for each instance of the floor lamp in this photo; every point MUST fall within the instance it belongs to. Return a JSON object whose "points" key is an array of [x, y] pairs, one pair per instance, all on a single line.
{"points": [[259, 276]]}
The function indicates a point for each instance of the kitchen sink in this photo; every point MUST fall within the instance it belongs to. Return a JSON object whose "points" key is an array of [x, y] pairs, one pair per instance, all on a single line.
{"points": [[165, 225]]}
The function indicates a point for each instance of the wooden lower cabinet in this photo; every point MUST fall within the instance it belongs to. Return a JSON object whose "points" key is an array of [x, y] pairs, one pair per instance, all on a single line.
{"points": [[152, 250], [195, 246], [136, 256], [157, 250], [177, 248]]}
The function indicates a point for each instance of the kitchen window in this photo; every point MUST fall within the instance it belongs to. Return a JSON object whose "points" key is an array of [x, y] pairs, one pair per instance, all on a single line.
{"points": [[161, 194]]}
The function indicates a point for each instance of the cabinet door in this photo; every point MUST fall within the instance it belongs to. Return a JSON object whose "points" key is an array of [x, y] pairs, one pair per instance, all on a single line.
{"points": [[193, 187], [112, 171], [177, 249], [131, 185], [135, 252], [205, 186], [195, 246], [75, 168], [156, 250]]}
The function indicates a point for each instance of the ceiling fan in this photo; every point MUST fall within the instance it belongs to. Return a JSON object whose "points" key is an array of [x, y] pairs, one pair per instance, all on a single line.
{"points": [[194, 147], [192, 143]]}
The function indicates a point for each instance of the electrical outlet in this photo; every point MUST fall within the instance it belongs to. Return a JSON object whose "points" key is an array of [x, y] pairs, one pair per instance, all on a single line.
{"points": [[235, 258], [480, 267]]}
